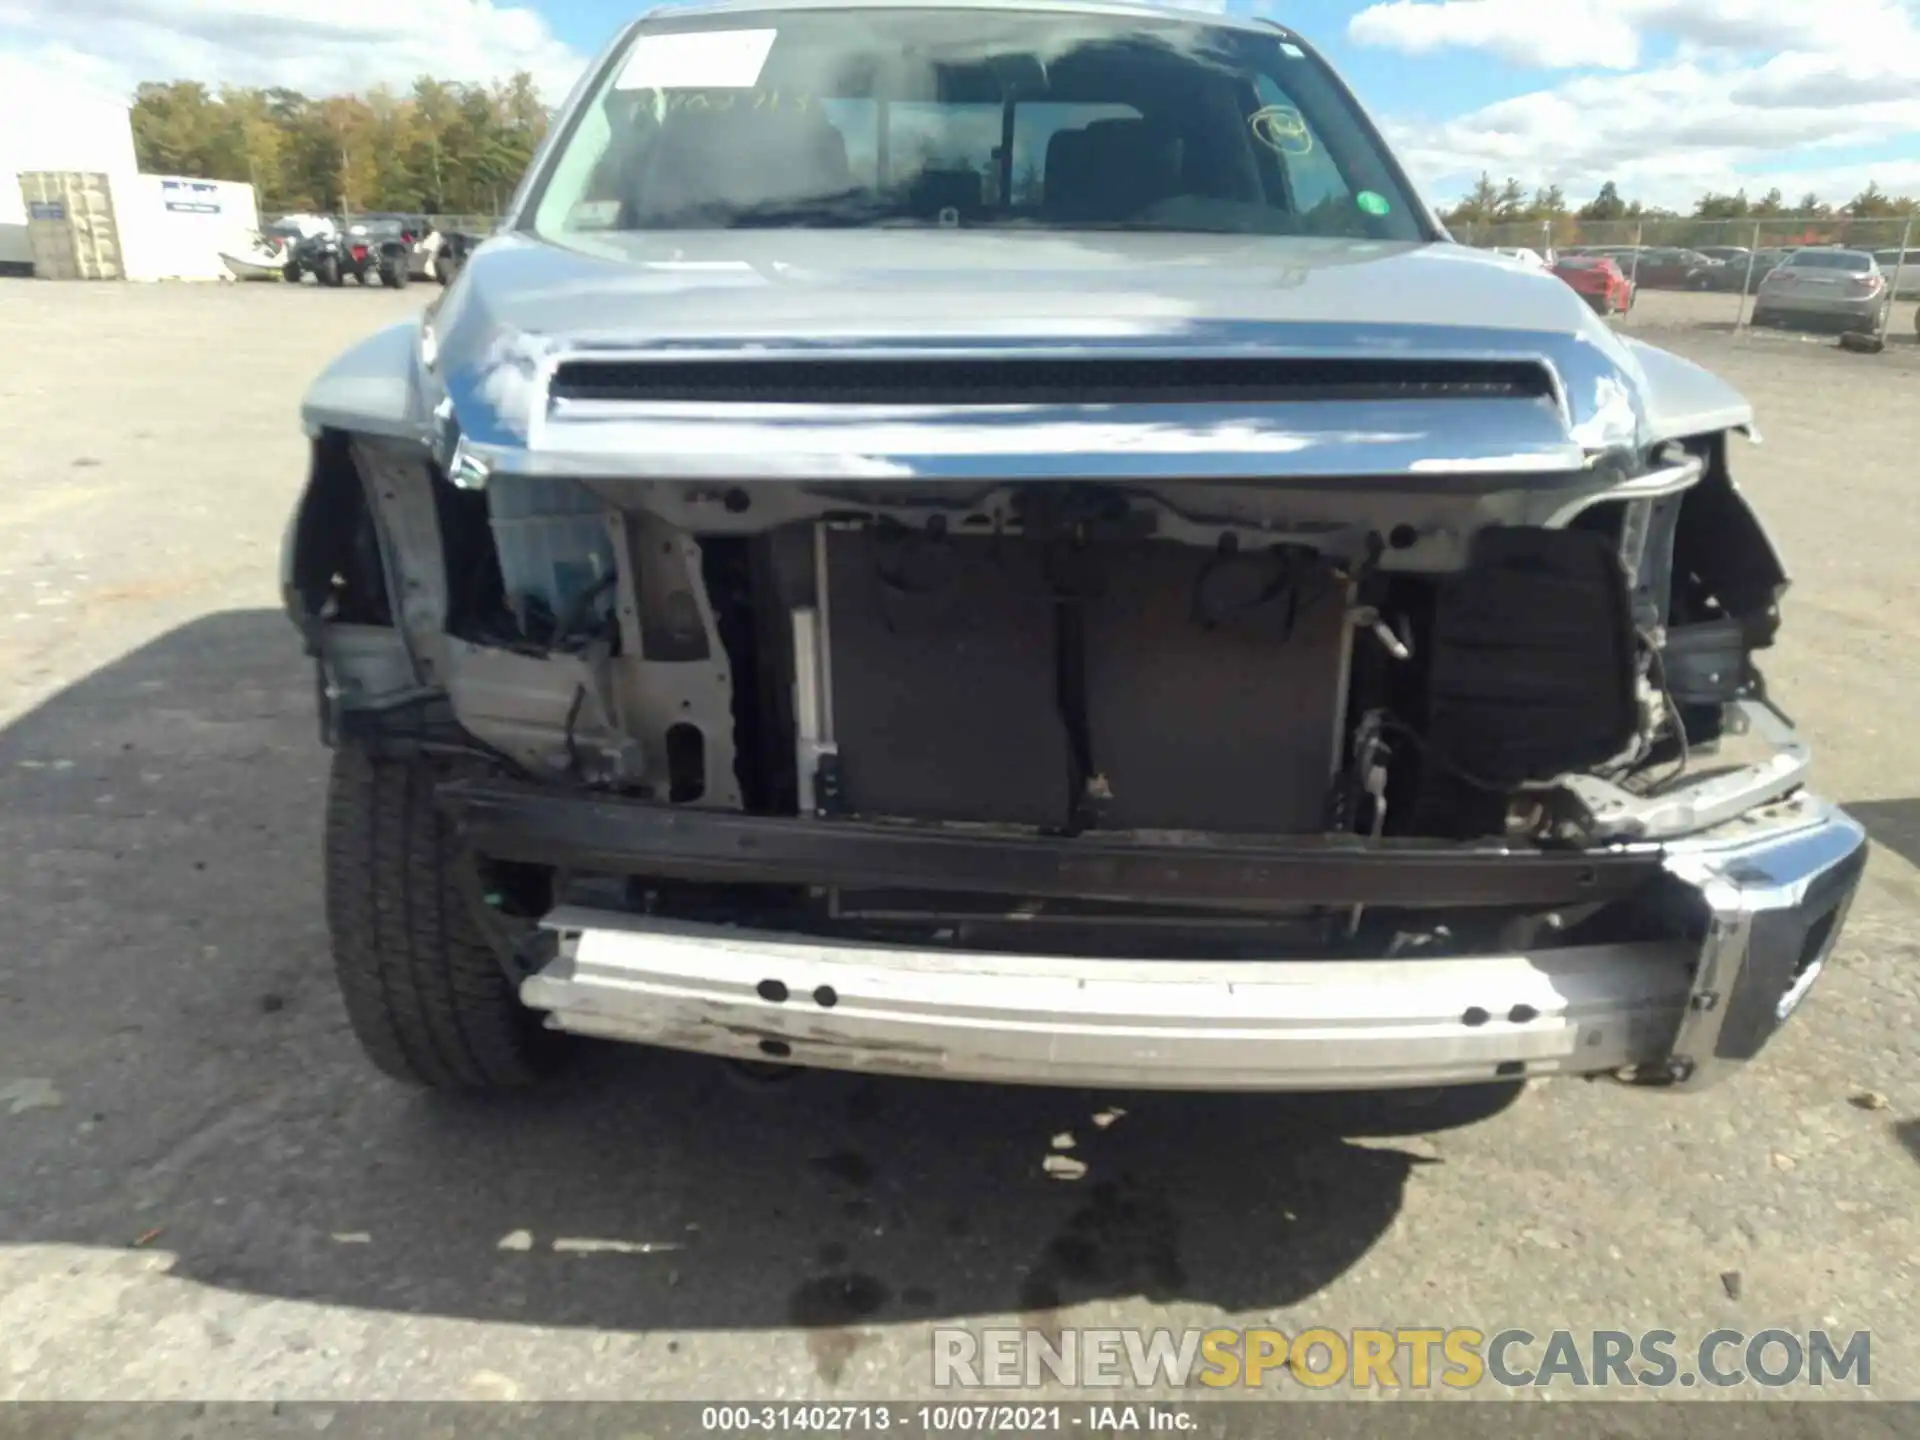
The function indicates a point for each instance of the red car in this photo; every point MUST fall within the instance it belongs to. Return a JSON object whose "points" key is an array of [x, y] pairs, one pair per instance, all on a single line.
{"points": [[1599, 280]]}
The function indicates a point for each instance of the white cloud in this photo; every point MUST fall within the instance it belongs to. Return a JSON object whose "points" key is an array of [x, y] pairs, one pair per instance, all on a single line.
{"points": [[1750, 94], [1553, 34], [1611, 34], [318, 46]]}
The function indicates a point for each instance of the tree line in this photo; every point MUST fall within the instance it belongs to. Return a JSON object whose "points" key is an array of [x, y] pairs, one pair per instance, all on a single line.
{"points": [[452, 148], [443, 148], [1491, 203]]}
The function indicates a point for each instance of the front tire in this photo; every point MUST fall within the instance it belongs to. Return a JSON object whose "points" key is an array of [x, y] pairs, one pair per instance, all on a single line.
{"points": [[290, 272], [394, 273], [428, 999], [327, 271]]}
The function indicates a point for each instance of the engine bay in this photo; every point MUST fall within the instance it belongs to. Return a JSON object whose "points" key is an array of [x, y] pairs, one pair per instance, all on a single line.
{"points": [[1066, 662], [1063, 657]]}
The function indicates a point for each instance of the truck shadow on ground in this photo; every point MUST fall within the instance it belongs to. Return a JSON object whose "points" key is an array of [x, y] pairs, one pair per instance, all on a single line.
{"points": [[1891, 824], [191, 1087]]}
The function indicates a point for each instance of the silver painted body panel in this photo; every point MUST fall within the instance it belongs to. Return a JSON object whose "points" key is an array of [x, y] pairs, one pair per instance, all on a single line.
{"points": [[521, 307]]}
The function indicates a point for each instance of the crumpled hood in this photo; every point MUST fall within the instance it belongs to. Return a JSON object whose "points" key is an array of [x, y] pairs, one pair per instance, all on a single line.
{"points": [[522, 306]]}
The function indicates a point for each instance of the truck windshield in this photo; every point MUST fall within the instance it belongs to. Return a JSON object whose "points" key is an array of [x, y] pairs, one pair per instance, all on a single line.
{"points": [[930, 117]]}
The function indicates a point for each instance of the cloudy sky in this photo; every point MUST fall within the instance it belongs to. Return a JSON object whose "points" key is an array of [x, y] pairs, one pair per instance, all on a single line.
{"points": [[1667, 97]]}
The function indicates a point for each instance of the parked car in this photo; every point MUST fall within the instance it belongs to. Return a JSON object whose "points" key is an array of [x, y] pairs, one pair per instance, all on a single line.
{"points": [[1598, 280], [1100, 630], [1674, 269], [1765, 262], [1902, 269], [1825, 284], [1530, 259], [1730, 268]]}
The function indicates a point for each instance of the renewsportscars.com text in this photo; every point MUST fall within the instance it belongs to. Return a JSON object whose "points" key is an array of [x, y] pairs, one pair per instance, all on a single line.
{"points": [[1420, 1358]]}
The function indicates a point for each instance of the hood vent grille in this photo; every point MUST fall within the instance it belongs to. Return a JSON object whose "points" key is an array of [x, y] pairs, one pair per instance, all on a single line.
{"points": [[1018, 381]]}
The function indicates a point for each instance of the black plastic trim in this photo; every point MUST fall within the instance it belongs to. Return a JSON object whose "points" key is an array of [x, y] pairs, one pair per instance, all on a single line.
{"points": [[853, 380], [580, 831]]}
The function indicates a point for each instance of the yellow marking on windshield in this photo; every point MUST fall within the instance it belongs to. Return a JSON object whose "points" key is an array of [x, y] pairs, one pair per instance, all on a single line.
{"points": [[1281, 128]]}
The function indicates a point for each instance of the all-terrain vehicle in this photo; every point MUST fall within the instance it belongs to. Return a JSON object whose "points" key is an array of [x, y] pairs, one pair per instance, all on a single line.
{"points": [[365, 251]]}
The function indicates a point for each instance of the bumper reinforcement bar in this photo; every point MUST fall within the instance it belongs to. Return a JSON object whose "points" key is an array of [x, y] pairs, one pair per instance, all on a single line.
{"points": [[1165, 1024], [516, 822]]}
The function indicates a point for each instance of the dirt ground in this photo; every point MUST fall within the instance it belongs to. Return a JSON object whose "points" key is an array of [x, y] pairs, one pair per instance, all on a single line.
{"points": [[207, 1194]]}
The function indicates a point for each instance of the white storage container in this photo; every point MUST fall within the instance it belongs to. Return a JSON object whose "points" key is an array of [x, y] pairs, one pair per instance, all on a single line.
{"points": [[92, 225], [72, 232], [52, 123], [174, 227]]}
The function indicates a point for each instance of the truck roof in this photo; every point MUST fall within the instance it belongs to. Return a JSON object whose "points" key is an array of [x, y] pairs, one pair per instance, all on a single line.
{"points": [[1134, 8]]}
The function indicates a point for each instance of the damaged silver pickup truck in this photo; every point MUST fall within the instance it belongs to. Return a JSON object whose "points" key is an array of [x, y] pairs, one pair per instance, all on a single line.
{"points": [[1004, 541]]}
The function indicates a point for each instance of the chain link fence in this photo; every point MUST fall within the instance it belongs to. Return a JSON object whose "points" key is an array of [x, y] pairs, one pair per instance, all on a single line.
{"points": [[476, 225], [1717, 265]]}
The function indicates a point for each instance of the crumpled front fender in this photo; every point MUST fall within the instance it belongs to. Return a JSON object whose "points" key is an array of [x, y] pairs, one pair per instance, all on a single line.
{"points": [[1682, 399], [374, 388]]}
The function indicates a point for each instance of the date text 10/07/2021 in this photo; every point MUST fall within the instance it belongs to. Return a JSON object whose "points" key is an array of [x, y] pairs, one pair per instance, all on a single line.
{"points": [[949, 1419], [1110, 1417]]}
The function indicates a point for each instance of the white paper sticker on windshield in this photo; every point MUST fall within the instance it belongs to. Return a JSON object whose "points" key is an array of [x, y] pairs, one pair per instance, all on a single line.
{"points": [[698, 60]]}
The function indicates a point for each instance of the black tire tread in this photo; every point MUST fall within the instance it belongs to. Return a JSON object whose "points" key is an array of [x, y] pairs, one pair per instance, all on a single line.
{"points": [[425, 995]]}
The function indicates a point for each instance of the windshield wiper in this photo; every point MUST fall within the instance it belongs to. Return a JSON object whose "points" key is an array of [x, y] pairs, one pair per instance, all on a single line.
{"points": [[853, 207]]}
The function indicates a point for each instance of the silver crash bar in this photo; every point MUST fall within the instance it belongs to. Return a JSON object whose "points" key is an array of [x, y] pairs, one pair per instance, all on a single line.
{"points": [[1160, 1024]]}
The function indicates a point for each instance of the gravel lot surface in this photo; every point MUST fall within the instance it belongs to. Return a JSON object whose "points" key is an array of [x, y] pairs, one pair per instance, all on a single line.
{"points": [[207, 1194]]}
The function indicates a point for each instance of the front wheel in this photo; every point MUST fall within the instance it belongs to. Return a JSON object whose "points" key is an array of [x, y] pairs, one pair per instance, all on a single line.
{"points": [[290, 272], [428, 999], [327, 271], [394, 273]]}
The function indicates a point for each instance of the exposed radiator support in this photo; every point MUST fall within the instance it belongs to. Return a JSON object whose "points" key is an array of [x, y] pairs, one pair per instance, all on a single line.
{"points": [[813, 693]]}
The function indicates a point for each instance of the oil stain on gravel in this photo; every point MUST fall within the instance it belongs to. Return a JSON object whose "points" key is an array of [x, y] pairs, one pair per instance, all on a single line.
{"points": [[1124, 1239], [826, 1308]]}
